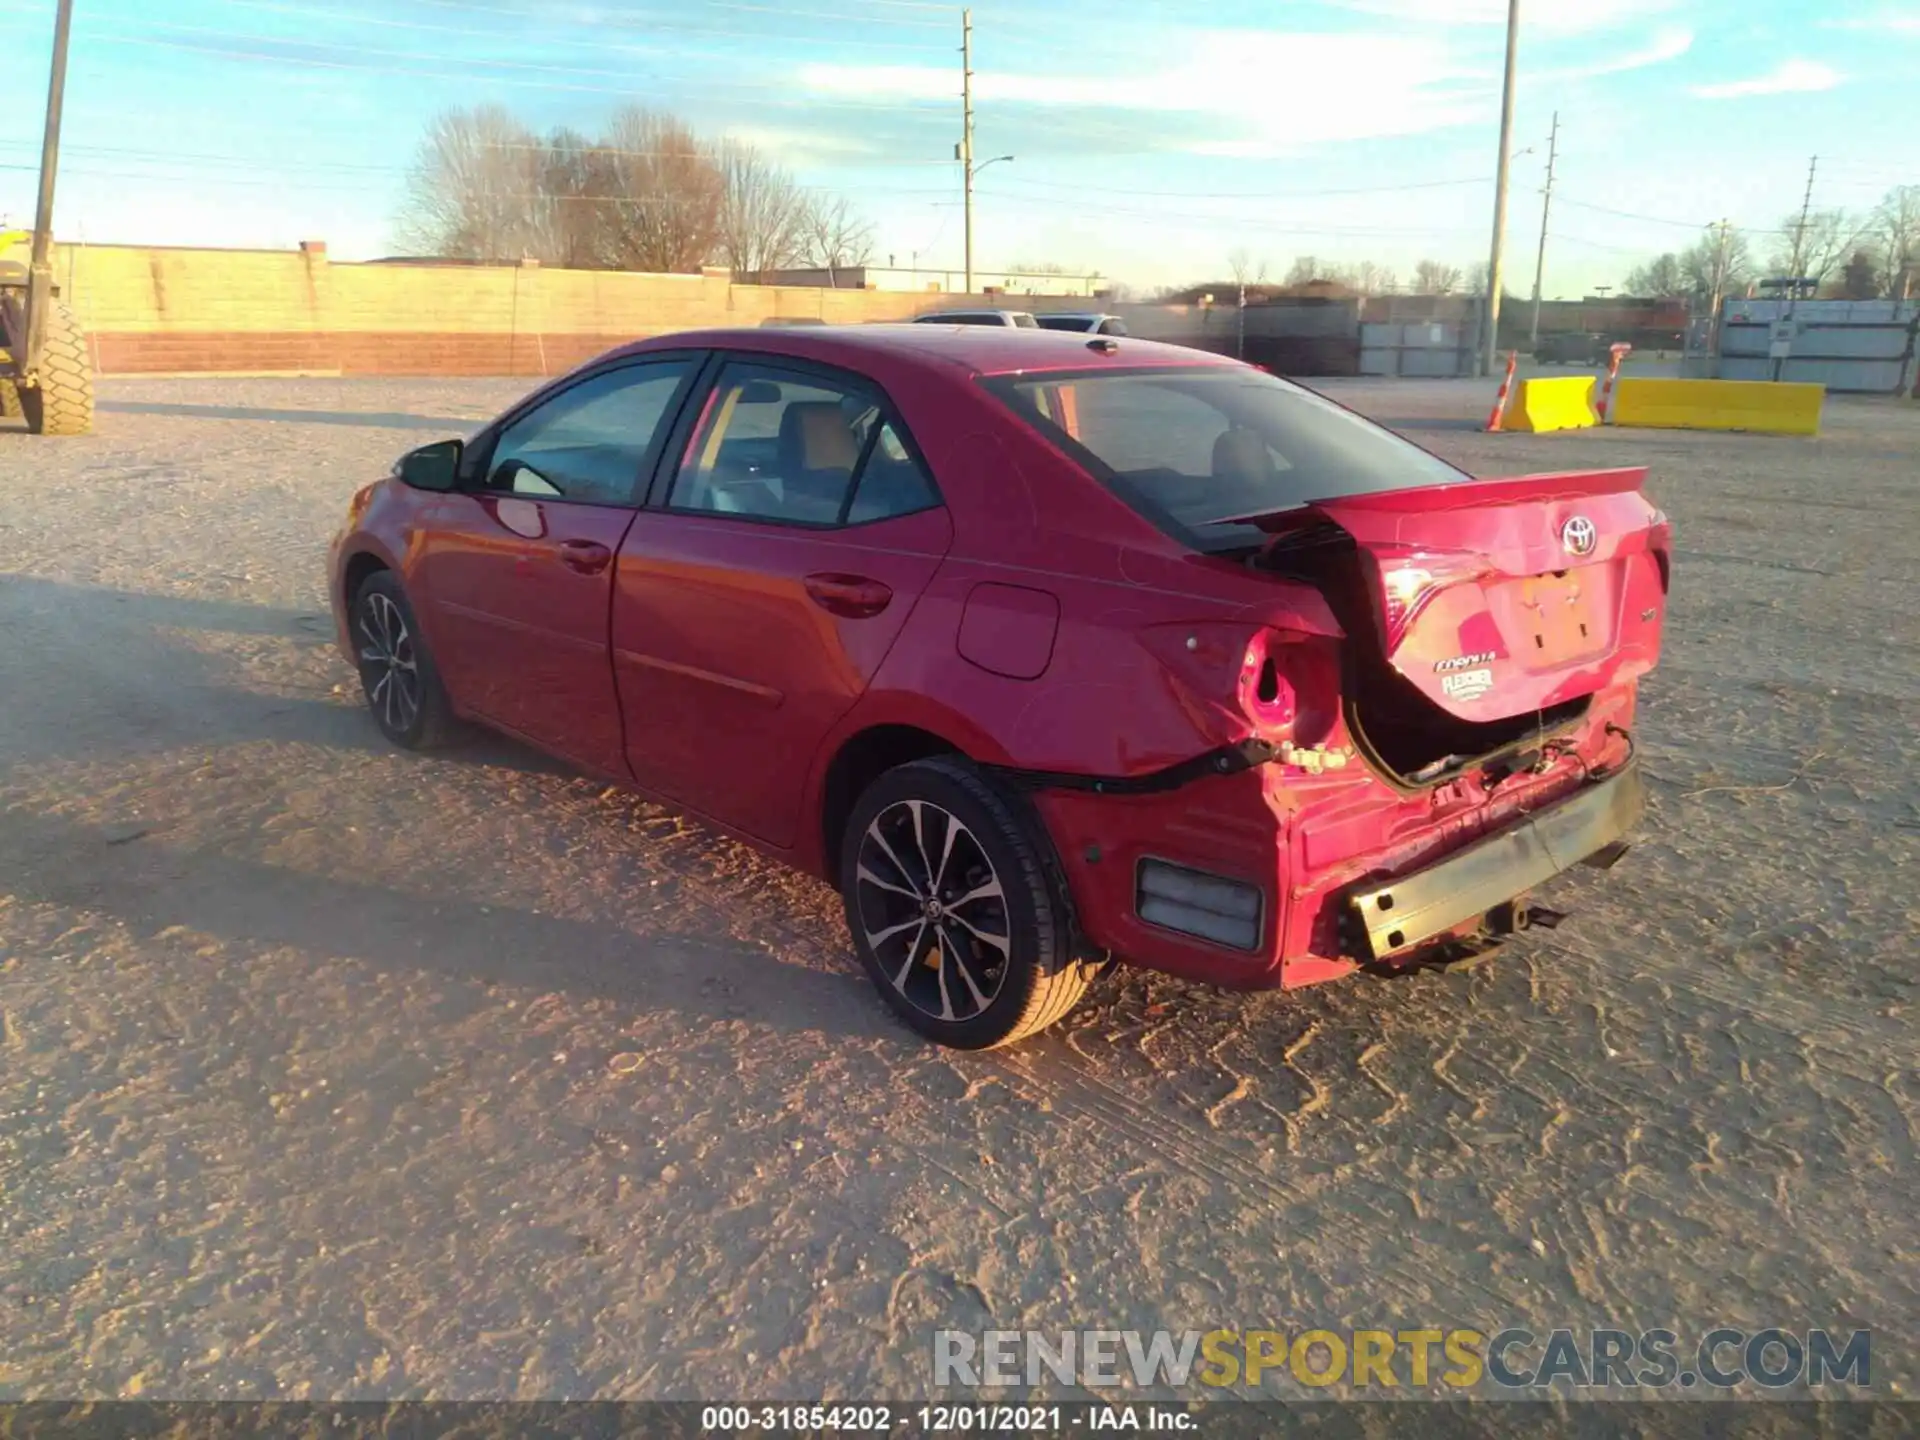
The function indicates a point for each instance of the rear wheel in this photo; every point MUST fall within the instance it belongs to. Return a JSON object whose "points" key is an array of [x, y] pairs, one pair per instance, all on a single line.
{"points": [[397, 674], [957, 909], [9, 400]]}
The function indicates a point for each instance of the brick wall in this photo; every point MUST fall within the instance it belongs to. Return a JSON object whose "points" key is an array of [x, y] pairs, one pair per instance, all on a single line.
{"points": [[248, 311]]}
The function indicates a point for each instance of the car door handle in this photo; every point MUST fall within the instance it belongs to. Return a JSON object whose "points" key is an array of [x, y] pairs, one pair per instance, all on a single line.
{"points": [[589, 557], [853, 596]]}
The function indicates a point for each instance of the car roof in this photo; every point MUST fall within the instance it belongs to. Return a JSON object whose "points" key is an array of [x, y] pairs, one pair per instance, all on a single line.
{"points": [[980, 349]]}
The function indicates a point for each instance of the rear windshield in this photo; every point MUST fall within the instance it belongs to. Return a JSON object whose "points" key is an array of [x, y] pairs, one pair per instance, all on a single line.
{"points": [[1200, 452]]}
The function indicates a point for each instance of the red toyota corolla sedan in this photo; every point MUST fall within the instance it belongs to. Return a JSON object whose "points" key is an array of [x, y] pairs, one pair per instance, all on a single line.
{"points": [[1045, 650]]}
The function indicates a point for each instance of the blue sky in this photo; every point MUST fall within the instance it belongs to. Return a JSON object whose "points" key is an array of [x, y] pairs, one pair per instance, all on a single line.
{"points": [[1146, 147]]}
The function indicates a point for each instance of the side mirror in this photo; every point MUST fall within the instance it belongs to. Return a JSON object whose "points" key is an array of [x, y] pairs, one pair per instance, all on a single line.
{"points": [[432, 467], [759, 392]]}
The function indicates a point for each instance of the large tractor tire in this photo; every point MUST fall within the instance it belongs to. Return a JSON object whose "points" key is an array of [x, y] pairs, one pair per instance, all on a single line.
{"points": [[62, 403], [9, 401]]}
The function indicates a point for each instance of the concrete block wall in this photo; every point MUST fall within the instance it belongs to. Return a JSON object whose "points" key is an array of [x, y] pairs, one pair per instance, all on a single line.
{"points": [[166, 311]]}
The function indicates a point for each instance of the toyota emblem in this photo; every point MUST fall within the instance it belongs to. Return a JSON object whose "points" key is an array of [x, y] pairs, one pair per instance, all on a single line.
{"points": [[1578, 535]]}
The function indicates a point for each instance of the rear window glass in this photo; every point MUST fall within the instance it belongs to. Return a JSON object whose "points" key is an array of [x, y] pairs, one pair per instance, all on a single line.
{"points": [[1200, 453]]}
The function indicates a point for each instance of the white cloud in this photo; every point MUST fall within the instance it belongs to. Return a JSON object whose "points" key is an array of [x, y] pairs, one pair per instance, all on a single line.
{"points": [[1666, 45], [1412, 85], [1891, 23], [1790, 77], [1558, 17], [803, 148]]}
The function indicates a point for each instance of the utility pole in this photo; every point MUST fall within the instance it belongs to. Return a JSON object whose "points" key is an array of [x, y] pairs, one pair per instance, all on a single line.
{"points": [[1719, 296], [1495, 267], [40, 262], [1546, 208], [1799, 258], [965, 149], [1800, 231]]}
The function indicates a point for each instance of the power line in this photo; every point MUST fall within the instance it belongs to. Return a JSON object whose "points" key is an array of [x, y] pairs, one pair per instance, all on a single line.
{"points": [[395, 167], [254, 38], [346, 187], [601, 45], [1251, 194], [310, 62], [1094, 208], [628, 21]]}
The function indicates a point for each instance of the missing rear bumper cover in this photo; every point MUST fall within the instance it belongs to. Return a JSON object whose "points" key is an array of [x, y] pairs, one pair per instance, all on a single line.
{"points": [[1408, 911]]}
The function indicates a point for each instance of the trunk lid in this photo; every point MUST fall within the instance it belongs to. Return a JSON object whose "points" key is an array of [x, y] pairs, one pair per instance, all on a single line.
{"points": [[1499, 597]]}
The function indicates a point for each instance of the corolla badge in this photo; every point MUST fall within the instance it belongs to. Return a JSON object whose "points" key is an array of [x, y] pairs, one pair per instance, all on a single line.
{"points": [[1579, 536]]}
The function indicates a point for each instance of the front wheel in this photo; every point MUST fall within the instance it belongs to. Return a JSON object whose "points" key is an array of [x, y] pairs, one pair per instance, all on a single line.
{"points": [[957, 909], [397, 674]]}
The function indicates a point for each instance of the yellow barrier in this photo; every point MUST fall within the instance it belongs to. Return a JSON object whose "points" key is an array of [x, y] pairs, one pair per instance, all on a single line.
{"points": [[1560, 403], [1773, 407]]}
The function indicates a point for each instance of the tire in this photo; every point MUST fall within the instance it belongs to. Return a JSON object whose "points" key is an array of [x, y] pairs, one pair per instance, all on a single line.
{"points": [[9, 400], [986, 959], [397, 674], [62, 403]]}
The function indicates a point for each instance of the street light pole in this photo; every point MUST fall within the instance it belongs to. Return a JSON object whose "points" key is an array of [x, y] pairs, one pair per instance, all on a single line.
{"points": [[40, 266], [1495, 261]]}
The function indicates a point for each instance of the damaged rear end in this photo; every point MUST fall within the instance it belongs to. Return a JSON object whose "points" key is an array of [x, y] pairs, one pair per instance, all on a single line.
{"points": [[1482, 618], [1468, 735], [1496, 632]]}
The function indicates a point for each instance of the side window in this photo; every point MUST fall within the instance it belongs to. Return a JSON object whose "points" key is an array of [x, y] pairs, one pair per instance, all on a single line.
{"points": [[591, 441], [891, 481], [1113, 327], [774, 445]]}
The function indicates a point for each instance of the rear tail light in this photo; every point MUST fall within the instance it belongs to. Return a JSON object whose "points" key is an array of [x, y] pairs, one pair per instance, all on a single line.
{"points": [[1192, 902], [1404, 589]]}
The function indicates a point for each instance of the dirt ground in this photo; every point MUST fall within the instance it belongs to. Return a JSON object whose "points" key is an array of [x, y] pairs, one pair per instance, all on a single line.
{"points": [[331, 1071]]}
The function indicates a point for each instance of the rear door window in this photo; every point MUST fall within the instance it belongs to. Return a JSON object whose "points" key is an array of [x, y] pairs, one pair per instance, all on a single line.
{"points": [[799, 448]]}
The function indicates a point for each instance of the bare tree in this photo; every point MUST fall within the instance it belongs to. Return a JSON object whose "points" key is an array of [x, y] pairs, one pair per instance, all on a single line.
{"points": [[1304, 270], [473, 186], [762, 212], [1813, 250], [1716, 264], [665, 216], [1663, 278], [573, 212], [833, 236], [647, 195], [1896, 232], [1371, 279], [1432, 277], [1244, 268]]}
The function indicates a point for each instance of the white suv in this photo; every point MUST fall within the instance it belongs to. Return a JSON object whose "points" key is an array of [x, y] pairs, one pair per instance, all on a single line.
{"points": [[1019, 319], [1087, 322]]}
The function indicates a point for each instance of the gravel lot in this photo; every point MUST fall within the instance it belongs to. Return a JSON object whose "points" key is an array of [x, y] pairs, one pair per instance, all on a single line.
{"points": [[330, 1071]]}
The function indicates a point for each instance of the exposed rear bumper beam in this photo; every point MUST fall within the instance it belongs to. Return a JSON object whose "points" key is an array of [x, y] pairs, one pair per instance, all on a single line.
{"points": [[1413, 909]]}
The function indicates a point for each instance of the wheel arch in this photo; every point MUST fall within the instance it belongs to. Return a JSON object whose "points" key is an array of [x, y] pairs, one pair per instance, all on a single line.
{"points": [[861, 758], [355, 569]]}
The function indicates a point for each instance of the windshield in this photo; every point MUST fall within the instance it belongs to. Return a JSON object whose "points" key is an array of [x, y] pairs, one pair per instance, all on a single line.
{"points": [[1200, 452]]}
